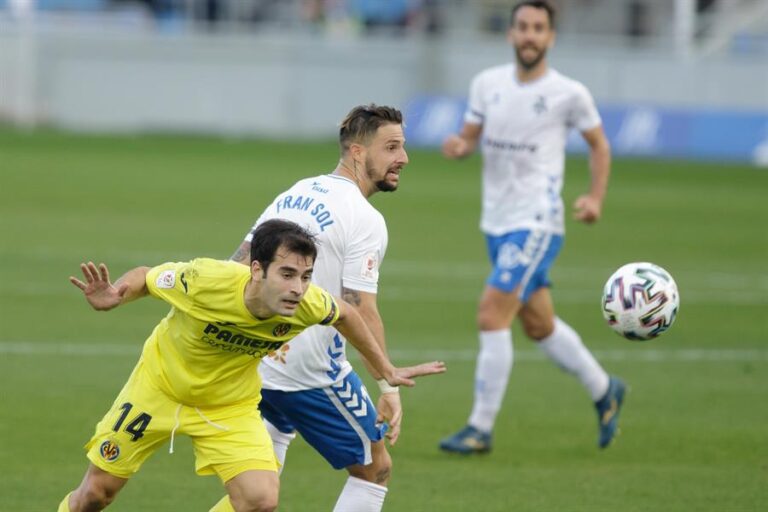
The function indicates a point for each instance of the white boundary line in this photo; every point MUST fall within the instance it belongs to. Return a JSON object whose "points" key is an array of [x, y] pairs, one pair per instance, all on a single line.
{"points": [[640, 354]]}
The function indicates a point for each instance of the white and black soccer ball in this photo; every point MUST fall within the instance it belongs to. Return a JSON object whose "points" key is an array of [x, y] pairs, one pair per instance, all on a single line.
{"points": [[640, 301]]}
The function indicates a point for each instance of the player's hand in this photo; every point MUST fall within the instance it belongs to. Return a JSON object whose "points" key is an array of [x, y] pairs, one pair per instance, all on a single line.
{"points": [[98, 290], [587, 209], [390, 411], [404, 376], [455, 147]]}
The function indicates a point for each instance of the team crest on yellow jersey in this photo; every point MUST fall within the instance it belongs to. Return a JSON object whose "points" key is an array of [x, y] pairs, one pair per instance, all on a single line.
{"points": [[109, 451], [281, 330]]}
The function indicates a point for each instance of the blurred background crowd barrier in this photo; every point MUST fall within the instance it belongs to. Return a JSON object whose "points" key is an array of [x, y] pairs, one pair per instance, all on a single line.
{"points": [[684, 78]]}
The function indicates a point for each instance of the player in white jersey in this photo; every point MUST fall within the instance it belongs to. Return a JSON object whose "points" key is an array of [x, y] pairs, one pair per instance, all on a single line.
{"points": [[310, 386], [520, 115]]}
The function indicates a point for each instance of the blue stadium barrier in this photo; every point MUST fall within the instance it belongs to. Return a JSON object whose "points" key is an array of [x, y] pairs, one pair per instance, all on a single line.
{"points": [[65, 5], [72, 5], [637, 130]]}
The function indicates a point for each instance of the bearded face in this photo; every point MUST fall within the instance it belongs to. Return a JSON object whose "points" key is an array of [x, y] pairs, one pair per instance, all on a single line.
{"points": [[386, 157], [529, 55], [531, 35], [385, 180]]}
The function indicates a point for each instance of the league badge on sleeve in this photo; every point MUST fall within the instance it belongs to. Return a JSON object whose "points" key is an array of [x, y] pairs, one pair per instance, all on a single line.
{"points": [[166, 279], [370, 267]]}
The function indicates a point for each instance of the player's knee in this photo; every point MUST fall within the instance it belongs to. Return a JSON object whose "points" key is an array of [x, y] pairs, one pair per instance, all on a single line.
{"points": [[490, 319], [382, 468], [537, 331], [262, 502], [483, 319], [496, 311], [377, 472], [94, 497], [486, 316]]}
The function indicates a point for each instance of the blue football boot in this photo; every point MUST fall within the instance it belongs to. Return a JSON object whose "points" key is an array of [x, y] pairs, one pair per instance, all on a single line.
{"points": [[608, 409], [466, 441]]}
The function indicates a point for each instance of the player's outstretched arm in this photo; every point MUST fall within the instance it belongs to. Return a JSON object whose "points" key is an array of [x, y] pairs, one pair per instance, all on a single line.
{"points": [[588, 207], [463, 144], [352, 327], [365, 304], [101, 294], [389, 407]]}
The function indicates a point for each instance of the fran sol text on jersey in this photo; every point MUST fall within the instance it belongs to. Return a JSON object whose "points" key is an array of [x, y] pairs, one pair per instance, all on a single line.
{"points": [[317, 210]]}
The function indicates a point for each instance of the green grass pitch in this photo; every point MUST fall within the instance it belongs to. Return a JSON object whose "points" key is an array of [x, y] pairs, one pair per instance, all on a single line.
{"points": [[695, 426]]}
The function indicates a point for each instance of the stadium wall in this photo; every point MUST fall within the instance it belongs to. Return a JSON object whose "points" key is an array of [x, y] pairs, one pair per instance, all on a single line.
{"points": [[297, 85]]}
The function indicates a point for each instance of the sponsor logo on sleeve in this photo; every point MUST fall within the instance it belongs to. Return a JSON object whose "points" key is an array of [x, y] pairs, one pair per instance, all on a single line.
{"points": [[166, 279]]}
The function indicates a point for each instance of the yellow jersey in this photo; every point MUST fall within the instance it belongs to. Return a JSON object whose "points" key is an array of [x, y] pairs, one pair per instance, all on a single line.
{"points": [[207, 349]]}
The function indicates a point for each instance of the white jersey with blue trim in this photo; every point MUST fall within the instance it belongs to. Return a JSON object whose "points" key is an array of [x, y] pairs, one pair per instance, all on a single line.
{"points": [[525, 129], [351, 241]]}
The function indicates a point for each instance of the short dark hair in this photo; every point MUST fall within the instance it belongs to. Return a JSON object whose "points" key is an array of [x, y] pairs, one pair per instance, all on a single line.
{"points": [[362, 122], [536, 4], [269, 236]]}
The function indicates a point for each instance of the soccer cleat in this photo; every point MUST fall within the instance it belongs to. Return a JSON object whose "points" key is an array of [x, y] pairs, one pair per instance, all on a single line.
{"points": [[466, 441], [608, 409]]}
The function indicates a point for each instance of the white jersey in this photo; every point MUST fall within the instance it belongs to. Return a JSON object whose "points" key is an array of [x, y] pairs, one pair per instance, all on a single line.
{"points": [[525, 128], [351, 241]]}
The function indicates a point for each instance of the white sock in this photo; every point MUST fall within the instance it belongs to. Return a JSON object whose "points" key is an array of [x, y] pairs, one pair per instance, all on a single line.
{"points": [[360, 496], [494, 363], [565, 348], [280, 442]]}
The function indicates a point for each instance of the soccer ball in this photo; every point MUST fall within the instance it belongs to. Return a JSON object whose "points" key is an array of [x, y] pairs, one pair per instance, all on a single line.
{"points": [[640, 301]]}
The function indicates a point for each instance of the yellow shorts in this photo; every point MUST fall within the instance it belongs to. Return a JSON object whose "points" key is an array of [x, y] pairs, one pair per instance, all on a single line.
{"points": [[226, 440]]}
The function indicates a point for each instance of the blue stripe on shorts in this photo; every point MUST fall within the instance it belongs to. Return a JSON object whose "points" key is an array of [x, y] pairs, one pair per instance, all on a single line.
{"points": [[522, 258], [339, 421]]}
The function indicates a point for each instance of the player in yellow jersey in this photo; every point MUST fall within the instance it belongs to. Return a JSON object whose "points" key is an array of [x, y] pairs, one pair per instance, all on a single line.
{"points": [[197, 372]]}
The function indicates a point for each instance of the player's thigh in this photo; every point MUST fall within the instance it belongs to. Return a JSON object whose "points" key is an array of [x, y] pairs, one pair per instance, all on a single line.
{"points": [[520, 261], [139, 421], [339, 421], [497, 308], [230, 440], [538, 314]]}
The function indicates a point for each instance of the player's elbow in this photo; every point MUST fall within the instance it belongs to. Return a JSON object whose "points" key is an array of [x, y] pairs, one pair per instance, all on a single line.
{"points": [[601, 148]]}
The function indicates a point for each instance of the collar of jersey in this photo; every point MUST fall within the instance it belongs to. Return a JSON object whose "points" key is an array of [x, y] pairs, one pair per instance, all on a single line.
{"points": [[342, 178], [530, 84]]}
